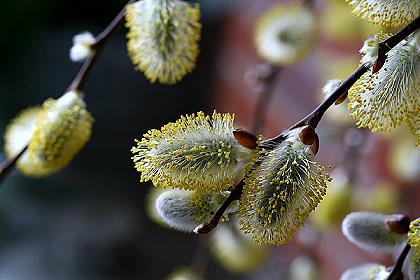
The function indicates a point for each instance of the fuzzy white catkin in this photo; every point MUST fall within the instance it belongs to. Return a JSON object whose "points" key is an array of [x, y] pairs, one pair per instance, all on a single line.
{"points": [[370, 232], [330, 87], [184, 210], [370, 50], [82, 46], [368, 271]]}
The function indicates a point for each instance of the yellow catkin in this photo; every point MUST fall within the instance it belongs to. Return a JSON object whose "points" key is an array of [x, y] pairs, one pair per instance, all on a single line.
{"points": [[414, 234], [62, 128], [18, 134], [391, 13], [163, 38], [197, 152], [281, 192], [413, 123], [383, 100], [285, 34]]}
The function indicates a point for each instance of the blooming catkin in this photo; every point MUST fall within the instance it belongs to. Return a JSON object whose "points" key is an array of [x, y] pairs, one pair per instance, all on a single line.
{"points": [[184, 210], [281, 191], [414, 233], [82, 46], [370, 232], [392, 13], [163, 38], [62, 128], [414, 264], [383, 100], [197, 152], [285, 34], [413, 123]]}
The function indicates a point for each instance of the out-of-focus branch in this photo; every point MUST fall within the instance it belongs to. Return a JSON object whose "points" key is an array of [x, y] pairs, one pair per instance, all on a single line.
{"points": [[264, 76]]}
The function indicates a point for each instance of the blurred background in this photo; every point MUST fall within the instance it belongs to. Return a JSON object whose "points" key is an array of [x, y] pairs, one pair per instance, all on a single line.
{"points": [[88, 221]]}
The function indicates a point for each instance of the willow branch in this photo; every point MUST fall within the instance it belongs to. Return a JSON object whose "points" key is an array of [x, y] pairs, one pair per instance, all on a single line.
{"points": [[80, 79], [314, 117], [235, 194], [7, 165], [396, 273]]}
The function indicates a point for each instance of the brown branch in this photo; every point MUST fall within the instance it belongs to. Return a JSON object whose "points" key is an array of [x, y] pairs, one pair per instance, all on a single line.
{"points": [[312, 118], [80, 79], [7, 165], [235, 194], [396, 273]]}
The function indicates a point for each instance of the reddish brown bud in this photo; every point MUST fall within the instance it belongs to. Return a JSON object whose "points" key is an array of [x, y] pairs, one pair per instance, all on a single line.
{"points": [[380, 61], [399, 223], [203, 228], [341, 98], [307, 135], [315, 145], [245, 138]]}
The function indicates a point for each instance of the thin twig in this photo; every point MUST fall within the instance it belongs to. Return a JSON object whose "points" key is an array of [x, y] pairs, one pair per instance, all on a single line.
{"points": [[312, 118], [7, 165], [235, 194], [100, 41], [80, 79], [396, 273], [315, 116]]}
